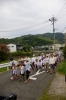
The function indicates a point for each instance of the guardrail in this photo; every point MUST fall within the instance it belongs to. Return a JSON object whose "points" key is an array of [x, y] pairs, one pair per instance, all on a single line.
{"points": [[6, 65]]}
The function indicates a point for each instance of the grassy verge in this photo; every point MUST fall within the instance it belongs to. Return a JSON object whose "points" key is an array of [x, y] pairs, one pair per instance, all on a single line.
{"points": [[3, 69], [46, 96], [62, 68]]}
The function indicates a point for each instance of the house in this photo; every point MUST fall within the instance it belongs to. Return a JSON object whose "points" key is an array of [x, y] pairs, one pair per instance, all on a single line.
{"points": [[19, 47], [12, 47], [57, 46]]}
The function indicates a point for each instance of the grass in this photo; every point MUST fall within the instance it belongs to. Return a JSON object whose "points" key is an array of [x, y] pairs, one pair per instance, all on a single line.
{"points": [[3, 69], [46, 96], [50, 97], [62, 68]]}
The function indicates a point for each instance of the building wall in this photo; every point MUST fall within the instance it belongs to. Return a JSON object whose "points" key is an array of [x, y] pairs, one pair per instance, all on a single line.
{"points": [[12, 47]]}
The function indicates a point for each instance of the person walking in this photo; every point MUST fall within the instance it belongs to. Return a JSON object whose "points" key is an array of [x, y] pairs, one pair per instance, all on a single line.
{"points": [[22, 70], [52, 63], [14, 71], [27, 69]]}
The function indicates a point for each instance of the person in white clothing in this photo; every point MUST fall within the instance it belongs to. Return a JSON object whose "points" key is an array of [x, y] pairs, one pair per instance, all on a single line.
{"points": [[40, 65], [11, 62], [43, 62], [52, 62], [39, 57], [22, 70], [47, 63], [27, 69], [33, 61], [14, 71], [36, 64]]}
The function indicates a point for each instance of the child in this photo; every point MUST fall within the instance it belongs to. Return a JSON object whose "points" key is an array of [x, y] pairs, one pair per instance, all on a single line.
{"points": [[14, 71], [22, 70], [27, 69], [40, 65]]}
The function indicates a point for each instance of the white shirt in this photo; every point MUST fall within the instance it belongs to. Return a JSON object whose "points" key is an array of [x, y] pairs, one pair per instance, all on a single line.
{"points": [[22, 69], [33, 59], [44, 61], [27, 66], [39, 57], [40, 63], [36, 63], [47, 59], [15, 62], [51, 60]]}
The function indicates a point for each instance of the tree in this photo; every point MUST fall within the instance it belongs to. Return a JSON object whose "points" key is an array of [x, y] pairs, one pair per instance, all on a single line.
{"points": [[27, 48], [64, 51], [4, 52]]}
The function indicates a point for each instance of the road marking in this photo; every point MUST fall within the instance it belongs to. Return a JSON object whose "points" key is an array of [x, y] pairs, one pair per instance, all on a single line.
{"points": [[37, 73]]}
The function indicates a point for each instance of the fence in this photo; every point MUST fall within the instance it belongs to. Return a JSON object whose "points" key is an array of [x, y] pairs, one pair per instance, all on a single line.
{"points": [[5, 65]]}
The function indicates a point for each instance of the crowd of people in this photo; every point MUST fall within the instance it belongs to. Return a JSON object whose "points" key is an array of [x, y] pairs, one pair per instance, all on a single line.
{"points": [[47, 62]]}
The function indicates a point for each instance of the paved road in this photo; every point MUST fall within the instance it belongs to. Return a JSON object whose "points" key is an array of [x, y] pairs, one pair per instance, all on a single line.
{"points": [[30, 91]]}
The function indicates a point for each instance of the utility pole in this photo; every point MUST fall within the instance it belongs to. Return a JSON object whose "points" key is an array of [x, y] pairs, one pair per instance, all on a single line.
{"points": [[53, 19]]}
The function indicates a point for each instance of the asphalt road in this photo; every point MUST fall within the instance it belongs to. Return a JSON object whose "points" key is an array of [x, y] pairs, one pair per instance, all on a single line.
{"points": [[30, 91]]}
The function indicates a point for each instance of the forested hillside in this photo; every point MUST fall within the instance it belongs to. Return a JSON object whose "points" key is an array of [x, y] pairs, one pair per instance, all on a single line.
{"points": [[35, 40]]}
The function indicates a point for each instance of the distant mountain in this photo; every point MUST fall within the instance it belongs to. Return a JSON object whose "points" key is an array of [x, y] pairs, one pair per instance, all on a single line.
{"points": [[36, 40], [58, 36]]}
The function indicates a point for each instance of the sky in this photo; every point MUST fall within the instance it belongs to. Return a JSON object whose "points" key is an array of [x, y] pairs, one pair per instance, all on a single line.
{"points": [[23, 17]]}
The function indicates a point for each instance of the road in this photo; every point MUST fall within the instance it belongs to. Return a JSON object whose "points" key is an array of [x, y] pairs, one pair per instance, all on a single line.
{"points": [[30, 91]]}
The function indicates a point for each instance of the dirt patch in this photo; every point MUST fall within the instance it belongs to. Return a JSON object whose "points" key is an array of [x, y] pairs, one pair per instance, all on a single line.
{"points": [[58, 86]]}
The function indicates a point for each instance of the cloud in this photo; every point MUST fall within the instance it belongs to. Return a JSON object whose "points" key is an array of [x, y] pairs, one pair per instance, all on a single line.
{"points": [[18, 14]]}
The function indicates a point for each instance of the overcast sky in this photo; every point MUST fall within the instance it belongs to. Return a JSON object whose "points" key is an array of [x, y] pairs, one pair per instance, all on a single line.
{"points": [[22, 17]]}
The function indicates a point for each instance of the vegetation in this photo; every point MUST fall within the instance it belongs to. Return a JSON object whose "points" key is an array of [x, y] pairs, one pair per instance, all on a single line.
{"points": [[47, 96], [62, 68], [3, 69], [64, 51], [4, 52], [19, 53], [35, 40]]}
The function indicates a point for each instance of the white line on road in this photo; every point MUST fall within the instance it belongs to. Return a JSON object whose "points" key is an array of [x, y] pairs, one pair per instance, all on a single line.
{"points": [[37, 73]]}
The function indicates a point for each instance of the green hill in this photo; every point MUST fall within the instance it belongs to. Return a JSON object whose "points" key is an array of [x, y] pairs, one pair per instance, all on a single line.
{"points": [[36, 40]]}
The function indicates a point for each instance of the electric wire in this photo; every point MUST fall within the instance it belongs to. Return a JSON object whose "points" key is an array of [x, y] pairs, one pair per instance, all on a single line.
{"points": [[63, 30], [27, 27], [61, 9], [63, 15], [35, 29]]}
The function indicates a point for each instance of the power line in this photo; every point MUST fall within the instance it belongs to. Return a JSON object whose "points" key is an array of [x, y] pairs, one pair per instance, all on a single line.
{"points": [[27, 27], [62, 15], [61, 10], [63, 29], [36, 29]]}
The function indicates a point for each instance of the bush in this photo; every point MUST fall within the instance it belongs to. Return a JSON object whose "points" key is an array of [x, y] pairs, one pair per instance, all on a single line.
{"points": [[4, 52], [64, 51], [22, 53]]}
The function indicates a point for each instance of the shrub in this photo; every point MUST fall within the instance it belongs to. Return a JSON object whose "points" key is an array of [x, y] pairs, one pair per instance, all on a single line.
{"points": [[64, 51], [22, 53], [4, 52]]}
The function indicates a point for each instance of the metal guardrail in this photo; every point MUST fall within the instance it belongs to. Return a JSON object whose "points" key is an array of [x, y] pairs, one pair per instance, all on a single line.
{"points": [[4, 65]]}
